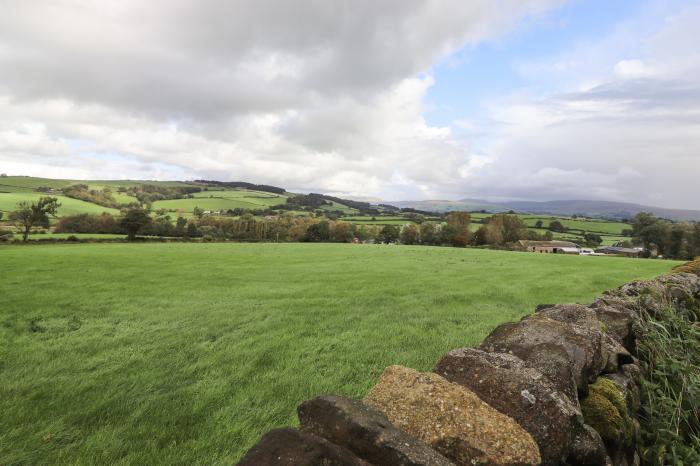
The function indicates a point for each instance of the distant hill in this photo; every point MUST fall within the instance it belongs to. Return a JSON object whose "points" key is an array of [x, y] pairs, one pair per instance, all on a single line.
{"points": [[600, 209], [448, 206], [177, 197]]}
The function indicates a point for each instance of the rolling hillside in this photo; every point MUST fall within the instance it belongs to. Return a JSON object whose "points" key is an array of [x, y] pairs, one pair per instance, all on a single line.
{"points": [[214, 196]]}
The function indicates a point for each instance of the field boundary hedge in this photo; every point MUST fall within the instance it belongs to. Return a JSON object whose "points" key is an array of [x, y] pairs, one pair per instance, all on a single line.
{"points": [[614, 382]]}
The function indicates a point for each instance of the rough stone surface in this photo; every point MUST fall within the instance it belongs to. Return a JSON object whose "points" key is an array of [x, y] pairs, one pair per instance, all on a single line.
{"points": [[618, 321], [452, 419], [366, 432], [569, 355], [288, 447], [576, 314], [507, 384], [617, 355], [588, 449], [681, 285], [542, 307]]}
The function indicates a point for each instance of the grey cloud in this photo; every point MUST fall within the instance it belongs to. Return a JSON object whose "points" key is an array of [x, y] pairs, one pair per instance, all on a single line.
{"points": [[217, 58]]}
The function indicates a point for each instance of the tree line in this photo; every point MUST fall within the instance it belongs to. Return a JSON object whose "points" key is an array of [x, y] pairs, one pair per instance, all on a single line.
{"points": [[659, 237], [673, 240]]}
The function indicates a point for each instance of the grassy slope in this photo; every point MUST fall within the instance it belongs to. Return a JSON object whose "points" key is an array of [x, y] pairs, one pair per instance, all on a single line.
{"points": [[223, 200], [8, 202], [187, 353]]}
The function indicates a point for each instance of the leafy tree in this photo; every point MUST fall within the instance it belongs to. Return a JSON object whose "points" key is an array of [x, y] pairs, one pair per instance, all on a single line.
{"points": [[197, 212], [459, 220], [410, 234], [481, 236], [677, 245], [134, 220], [180, 226], [641, 221], [456, 232], [162, 226], [539, 224], [389, 234], [652, 232], [342, 232], [1, 214], [192, 231], [592, 239], [503, 229], [428, 233], [695, 241], [33, 214], [557, 226], [318, 232]]}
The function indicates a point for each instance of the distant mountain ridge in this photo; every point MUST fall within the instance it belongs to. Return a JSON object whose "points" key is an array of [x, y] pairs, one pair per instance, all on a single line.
{"points": [[601, 209]]}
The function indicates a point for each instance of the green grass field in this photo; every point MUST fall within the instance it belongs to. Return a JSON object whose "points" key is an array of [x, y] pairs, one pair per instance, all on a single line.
{"points": [[184, 354], [223, 200], [69, 206]]}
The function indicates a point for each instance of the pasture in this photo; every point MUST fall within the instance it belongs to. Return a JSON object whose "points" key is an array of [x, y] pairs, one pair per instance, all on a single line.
{"points": [[69, 206], [223, 200], [185, 353]]}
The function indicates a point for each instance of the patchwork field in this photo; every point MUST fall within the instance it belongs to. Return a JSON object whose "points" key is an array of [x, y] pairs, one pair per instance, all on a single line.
{"points": [[186, 353], [222, 200]]}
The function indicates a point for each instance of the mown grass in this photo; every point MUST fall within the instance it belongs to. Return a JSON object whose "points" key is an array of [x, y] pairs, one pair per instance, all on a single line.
{"points": [[186, 353]]}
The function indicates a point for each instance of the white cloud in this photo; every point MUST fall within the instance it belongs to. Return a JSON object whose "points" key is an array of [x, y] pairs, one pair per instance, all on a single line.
{"points": [[630, 69], [330, 96], [306, 94], [633, 135]]}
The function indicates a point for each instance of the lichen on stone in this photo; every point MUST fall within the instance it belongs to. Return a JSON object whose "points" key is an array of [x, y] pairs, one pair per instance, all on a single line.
{"points": [[605, 409]]}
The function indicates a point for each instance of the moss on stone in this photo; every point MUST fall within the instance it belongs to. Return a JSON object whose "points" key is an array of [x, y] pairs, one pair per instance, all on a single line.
{"points": [[605, 409], [603, 327]]}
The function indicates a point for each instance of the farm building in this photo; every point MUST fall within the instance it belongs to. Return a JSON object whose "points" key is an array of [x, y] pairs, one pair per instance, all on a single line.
{"points": [[549, 247], [620, 251]]}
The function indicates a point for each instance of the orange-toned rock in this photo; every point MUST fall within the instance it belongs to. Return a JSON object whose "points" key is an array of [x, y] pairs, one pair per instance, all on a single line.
{"points": [[452, 419]]}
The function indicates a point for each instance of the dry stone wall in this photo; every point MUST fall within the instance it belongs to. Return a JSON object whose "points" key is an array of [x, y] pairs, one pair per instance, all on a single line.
{"points": [[559, 387]]}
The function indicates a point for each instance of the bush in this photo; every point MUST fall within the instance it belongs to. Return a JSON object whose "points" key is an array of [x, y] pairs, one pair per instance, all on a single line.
{"points": [[88, 223], [6, 235]]}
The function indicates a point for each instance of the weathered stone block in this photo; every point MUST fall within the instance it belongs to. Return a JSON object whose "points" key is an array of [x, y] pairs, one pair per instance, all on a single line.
{"points": [[569, 355], [452, 419], [288, 447], [366, 432], [523, 393]]}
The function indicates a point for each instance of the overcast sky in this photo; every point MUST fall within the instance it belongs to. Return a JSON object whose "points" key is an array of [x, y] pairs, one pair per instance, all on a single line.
{"points": [[397, 99]]}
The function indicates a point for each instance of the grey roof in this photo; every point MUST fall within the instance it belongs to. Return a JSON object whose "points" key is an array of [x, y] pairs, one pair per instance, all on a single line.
{"points": [[548, 244], [618, 249]]}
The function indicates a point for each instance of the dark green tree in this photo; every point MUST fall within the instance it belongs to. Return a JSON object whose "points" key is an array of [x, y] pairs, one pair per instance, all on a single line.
{"points": [[134, 220], [318, 232], [389, 234], [592, 239], [557, 227], [31, 214]]}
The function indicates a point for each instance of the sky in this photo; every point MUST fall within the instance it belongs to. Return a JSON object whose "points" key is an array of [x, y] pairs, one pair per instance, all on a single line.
{"points": [[396, 99]]}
